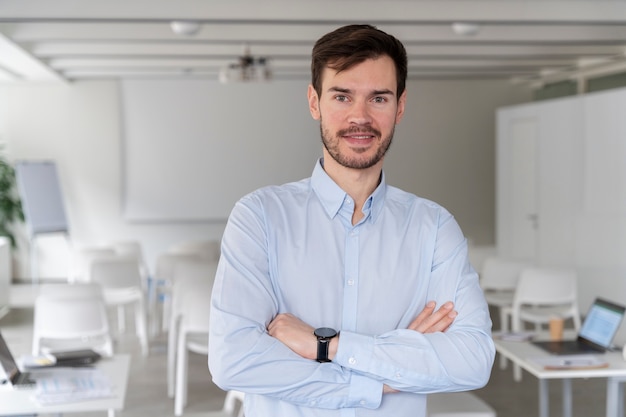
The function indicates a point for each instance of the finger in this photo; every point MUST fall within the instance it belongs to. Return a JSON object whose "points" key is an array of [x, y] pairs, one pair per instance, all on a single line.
{"points": [[443, 324], [426, 312], [276, 322], [430, 324]]}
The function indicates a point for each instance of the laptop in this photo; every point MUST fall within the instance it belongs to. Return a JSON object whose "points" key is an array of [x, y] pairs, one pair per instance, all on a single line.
{"points": [[14, 376], [596, 334]]}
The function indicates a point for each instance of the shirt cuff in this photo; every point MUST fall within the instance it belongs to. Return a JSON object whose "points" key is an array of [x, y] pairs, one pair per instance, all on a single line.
{"points": [[353, 352], [365, 392]]}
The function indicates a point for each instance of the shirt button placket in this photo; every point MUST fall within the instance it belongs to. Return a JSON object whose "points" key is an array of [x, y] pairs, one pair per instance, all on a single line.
{"points": [[351, 275]]}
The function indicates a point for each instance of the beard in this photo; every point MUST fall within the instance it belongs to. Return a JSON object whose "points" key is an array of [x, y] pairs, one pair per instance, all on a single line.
{"points": [[332, 145]]}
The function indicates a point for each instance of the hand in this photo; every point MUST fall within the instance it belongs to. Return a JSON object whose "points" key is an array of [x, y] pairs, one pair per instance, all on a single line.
{"points": [[431, 321], [295, 334]]}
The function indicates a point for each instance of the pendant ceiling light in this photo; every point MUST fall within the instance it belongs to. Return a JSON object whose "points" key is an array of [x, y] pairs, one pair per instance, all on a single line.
{"points": [[246, 69]]}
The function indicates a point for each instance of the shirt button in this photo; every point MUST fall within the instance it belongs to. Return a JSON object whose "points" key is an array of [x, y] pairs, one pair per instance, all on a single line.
{"points": [[362, 402], [351, 282], [351, 361]]}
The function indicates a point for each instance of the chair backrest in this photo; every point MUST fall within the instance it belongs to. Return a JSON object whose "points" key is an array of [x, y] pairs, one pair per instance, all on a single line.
{"points": [[545, 292], [132, 248], [233, 402], [116, 271], [71, 290], [501, 274], [207, 249], [546, 286], [81, 260], [166, 264], [191, 294], [73, 316]]}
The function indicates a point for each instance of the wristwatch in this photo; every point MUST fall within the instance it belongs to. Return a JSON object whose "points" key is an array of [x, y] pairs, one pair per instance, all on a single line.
{"points": [[323, 334]]}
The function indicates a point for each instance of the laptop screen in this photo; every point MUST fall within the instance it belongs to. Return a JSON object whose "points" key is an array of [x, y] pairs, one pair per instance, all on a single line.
{"points": [[7, 361], [602, 322]]}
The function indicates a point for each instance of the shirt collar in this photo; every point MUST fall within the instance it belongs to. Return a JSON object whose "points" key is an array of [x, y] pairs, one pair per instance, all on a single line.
{"points": [[332, 196]]}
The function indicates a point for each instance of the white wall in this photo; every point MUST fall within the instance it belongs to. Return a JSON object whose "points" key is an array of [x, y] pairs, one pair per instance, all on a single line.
{"points": [[579, 163], [444, 150]]}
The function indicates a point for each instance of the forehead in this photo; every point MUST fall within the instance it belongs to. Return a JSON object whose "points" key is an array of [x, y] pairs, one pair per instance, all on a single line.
{"points": [[373, 73]]}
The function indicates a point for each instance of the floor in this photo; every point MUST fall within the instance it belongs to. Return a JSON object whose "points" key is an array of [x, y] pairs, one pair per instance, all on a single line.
{"points": [[147, 390]]}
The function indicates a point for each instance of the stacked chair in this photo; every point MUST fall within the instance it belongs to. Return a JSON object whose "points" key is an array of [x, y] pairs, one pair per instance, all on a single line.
{"points": [[117, 268], [69, 317], [189, 323], [542, 293]]}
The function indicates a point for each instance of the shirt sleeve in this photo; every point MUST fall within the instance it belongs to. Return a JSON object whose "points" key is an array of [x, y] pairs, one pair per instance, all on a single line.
{"points": [[243, 356], [459, 359]]}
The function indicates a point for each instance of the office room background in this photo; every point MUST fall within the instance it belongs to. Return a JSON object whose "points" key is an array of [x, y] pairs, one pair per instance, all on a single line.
{"points": [[444, 149]]}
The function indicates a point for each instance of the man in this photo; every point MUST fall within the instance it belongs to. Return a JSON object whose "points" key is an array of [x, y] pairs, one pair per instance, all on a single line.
{"points": [[325, 298]]}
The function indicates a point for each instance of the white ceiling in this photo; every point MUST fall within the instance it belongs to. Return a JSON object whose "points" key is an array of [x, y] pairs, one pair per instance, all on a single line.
{"points": [[522, 40]]}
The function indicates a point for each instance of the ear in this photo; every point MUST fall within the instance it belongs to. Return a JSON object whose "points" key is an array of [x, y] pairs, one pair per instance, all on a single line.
{"points": [[314, 102], [401, 104]]}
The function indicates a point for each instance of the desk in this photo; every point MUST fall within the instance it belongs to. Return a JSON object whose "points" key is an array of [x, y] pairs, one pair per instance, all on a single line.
{"points": [[18, 401], [520, 352]]}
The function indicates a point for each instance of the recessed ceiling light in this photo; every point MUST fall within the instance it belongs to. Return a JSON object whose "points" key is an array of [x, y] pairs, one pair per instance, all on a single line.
{"points": [[465, 28], [185, 27]]}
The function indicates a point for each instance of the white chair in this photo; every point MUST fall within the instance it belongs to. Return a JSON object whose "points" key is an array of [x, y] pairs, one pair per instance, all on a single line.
{"points": [[120, 279], [81, 259], [206, 249], [133, 248], [189, 326], [162, 289], [233, 407], [71, 316], [458, 404], [203, 250], [542, 293], [498, 280]]}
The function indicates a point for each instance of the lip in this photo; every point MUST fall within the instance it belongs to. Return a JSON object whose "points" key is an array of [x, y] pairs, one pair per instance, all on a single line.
{"points": [[362, 139]]}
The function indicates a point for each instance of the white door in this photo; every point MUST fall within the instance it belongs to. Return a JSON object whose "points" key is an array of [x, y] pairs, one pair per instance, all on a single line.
{"points": [[524, 196], [517, 217]]}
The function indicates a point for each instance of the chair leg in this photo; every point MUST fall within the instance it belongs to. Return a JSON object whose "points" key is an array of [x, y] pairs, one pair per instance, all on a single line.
{"points": [[180, 399], [171, 358], [504, 326], [167, 311], [141, 327], [121, 319], [517, 373]]}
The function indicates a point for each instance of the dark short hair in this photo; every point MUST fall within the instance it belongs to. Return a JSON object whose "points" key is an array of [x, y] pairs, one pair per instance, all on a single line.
{"points": [[350, 45]]}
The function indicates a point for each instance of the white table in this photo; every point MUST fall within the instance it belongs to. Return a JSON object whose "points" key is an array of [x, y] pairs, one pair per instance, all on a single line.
{"points": [[520, 352], [20, 401]]}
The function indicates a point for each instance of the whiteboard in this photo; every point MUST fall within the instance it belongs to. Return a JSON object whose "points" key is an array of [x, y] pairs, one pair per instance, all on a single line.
{"points": [[192, 148], [42, 199]]}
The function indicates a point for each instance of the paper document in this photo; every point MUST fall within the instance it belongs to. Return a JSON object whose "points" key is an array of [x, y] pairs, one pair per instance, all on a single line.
{"points": [[513, 336], [63, 385], [571, 362]]}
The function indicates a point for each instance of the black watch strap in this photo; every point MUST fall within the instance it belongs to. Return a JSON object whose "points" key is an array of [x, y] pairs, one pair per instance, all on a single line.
{"points": [[324, 335], [322, 350]]}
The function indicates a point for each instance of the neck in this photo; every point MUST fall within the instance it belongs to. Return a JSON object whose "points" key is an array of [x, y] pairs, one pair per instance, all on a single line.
{"points": [[359, 184]]}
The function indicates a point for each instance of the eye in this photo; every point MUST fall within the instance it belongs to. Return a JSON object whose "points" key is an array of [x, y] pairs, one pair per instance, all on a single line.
{"points": [[379, 99], [341, 98]]}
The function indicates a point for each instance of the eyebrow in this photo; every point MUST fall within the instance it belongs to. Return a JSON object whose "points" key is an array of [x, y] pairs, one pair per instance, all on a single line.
{"points": [[373, 93]]}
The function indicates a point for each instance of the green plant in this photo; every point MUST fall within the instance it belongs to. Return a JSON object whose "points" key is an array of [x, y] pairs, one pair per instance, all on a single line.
{"points": [[10, 204]]}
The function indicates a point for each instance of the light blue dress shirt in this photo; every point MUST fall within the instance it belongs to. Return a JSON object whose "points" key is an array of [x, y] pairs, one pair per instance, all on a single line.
{"points": [[293, 249]]}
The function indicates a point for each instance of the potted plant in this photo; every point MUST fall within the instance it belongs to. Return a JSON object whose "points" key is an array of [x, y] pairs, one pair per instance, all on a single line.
{"points": [[10, 203]]}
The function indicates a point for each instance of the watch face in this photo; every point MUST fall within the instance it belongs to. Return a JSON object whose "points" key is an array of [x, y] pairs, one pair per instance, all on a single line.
{"points": [[325, 332]]}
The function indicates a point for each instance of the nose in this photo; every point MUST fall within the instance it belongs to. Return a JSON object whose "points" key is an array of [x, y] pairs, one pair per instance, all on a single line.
{"points": [[360, 113]]}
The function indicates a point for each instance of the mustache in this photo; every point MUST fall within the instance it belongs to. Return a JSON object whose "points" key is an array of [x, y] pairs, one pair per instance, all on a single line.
{"points": [[359, 129]]}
